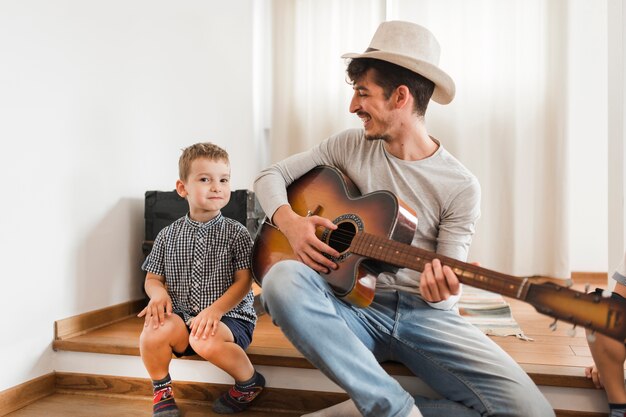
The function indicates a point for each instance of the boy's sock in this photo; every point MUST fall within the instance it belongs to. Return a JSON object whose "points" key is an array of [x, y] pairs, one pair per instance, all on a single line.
{"points": [[617, 410], [163, 404], [240, 396]]}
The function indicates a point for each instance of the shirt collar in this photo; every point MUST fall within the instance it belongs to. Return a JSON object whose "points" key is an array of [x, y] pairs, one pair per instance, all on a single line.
{"points": [[201, 225]]}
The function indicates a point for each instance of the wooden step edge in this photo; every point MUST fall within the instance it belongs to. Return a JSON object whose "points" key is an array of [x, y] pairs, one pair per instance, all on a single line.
{"points": [[26, 393], [547, 375], [91, 320], [272, 399], [290, 359], [558, 376], [91, 347]]}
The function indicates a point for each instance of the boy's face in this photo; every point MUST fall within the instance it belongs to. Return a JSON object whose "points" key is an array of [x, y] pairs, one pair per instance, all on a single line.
{"points": [[207, 188]]}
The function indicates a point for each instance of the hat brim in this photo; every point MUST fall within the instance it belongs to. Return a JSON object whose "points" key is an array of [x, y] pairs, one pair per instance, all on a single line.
{"points": [[444, 85]]}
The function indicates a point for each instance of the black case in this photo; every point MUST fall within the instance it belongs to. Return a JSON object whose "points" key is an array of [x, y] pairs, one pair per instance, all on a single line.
{"points": [[163, 207]]}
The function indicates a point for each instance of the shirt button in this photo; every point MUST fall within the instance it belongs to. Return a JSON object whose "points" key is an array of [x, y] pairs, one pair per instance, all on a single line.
{"points": [[200, 239]]}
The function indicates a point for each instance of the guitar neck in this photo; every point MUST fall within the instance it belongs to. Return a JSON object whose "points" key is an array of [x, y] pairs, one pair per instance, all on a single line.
{"points": [[407, 256]]}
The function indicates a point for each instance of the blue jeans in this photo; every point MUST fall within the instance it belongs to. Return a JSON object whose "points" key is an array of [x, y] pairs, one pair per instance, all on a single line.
{"points": [[473, 375]]}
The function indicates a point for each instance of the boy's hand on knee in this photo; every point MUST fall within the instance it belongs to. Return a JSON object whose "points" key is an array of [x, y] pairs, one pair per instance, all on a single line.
{"points": [[205, 323], [156, 310]]}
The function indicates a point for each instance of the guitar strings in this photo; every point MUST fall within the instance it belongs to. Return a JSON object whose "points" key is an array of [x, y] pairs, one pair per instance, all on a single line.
{"points": [[346, 237]]}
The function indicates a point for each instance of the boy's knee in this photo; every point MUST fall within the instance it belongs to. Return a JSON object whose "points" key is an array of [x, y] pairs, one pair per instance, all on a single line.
{"points": [[204, 347], [151, 337], [155, 337]]}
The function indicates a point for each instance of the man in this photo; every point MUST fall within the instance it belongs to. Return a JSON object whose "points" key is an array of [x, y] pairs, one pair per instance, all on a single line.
{"points": [[412, 319]]}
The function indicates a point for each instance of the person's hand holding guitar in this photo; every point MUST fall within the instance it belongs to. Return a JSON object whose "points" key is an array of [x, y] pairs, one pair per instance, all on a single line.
{"points": [[300, 232], [438, 282]]}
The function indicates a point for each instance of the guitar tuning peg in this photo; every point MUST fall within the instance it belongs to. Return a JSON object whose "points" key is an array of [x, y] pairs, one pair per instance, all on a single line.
{"points": [[572, 332], [587, 286], [568, 282], [553, 325], [606, 293], [591, 337]]}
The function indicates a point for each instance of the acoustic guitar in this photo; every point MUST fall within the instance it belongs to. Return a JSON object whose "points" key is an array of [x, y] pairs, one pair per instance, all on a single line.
{"points": [[373, 235]]}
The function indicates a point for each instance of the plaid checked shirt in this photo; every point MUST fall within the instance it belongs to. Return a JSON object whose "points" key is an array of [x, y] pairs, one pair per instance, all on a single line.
{"points": [[199, 260]]}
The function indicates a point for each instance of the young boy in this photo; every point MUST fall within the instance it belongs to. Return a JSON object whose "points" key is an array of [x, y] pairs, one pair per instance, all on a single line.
{"points": [[199, 283], [609, 356]]}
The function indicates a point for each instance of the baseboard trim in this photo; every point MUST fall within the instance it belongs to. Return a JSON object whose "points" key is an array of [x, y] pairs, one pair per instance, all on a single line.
{"points": [[14, 398], [91, 320]]}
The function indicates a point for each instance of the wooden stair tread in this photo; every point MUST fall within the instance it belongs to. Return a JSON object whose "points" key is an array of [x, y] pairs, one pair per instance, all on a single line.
{"points": [[553, 358]]}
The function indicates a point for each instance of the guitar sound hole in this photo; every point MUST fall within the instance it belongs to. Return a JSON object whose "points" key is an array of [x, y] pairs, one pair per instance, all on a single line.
{"points": [[341, 238]]}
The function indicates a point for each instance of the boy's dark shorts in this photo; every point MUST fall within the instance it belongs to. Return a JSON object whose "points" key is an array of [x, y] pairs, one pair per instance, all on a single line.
{"points": [[241, 330]]}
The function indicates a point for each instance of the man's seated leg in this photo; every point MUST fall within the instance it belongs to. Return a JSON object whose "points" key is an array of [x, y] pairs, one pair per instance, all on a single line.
{"points": [[472, 373], [333, 336]]}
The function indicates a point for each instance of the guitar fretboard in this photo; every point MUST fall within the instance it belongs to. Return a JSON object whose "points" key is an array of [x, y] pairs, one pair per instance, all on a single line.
{"points": [[406, 256]]}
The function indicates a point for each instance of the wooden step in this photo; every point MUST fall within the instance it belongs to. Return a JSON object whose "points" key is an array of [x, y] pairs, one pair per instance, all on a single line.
{"points": [[79, 395], [71, 394], [554, 360], [551, 359]]}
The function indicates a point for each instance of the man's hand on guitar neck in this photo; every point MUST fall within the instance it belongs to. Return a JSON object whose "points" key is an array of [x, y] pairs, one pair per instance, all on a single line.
{"points": [[300, 232], [440, 286], [438, 282]]}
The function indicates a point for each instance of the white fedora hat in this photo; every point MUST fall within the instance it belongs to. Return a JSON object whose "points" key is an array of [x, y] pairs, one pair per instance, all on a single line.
{"points": [[411, 46]]}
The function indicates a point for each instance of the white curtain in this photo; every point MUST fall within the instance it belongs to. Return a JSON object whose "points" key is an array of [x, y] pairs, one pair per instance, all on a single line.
{"points": [[310, 92], [507, 123]]}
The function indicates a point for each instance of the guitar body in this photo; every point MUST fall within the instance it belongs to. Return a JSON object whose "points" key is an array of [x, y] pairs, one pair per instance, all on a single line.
{"points": [[326, 192]]}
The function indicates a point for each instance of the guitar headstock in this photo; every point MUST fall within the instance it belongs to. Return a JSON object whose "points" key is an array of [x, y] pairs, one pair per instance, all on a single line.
{"points": [[591, 311]]}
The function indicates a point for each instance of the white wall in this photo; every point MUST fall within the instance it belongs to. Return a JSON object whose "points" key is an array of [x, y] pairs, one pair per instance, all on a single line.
{"points": [[96, 100]]}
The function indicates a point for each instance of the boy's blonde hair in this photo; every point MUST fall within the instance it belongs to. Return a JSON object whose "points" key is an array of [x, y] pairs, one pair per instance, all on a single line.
{"points": [[199, 150]]}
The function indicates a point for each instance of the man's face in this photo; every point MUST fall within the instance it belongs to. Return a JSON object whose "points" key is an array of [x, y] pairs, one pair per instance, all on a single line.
{"points": [[371, 106]]}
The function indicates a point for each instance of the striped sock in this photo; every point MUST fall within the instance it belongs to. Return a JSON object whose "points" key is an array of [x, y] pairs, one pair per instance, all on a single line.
{"points": [[617, 410], [240, 396], [163, 404]]}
